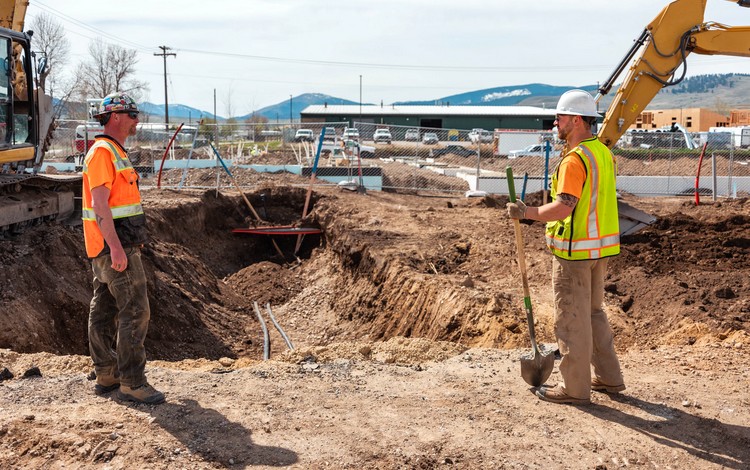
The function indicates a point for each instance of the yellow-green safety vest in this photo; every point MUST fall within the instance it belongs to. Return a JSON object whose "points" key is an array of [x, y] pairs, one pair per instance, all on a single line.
{"points": [[592, 230]]}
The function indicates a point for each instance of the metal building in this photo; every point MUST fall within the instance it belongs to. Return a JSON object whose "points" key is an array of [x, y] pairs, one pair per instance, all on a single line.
{"points": [[439, 117]]}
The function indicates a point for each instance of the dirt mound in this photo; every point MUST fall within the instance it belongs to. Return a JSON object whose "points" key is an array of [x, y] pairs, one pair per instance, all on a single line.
{"points": [[687, 269], [382, 308]]}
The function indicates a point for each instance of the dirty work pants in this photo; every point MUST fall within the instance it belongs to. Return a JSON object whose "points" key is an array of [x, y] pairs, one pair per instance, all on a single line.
{"points": [[581, 326], [118, 319]]}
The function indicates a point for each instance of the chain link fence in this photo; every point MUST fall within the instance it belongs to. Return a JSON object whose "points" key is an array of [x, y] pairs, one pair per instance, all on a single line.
{"points": [[410, 158]]}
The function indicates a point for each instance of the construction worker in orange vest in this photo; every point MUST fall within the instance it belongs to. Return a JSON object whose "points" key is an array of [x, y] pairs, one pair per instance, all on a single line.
{"points": [[114, 228]]}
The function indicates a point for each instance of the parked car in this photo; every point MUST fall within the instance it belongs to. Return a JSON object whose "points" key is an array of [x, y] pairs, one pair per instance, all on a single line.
{"points": [[480, 136], [535, 150], [330, 134], [304, 135], [430, 138], [350, 133], [382, 135], [411, 134]]}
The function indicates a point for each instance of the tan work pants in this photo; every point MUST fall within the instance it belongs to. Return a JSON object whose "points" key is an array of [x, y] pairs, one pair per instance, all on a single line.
{"points": [[581, 326]]}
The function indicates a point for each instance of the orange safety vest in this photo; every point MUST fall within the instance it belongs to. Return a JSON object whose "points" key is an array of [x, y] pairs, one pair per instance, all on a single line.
{"points": [[107, 164]]}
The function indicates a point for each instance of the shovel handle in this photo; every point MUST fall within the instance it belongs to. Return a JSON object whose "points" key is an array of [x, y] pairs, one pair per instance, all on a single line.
{"points": [[522, 262]]}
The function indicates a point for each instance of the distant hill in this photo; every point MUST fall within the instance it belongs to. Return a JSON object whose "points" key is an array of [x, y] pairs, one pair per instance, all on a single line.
{"points": [[717, 92], [516, 95], [176, 111], [281, 110]]}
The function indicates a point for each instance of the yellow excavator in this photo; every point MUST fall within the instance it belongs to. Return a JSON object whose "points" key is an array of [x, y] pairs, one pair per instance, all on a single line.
{"points": [[658, 59], [26, 120]]}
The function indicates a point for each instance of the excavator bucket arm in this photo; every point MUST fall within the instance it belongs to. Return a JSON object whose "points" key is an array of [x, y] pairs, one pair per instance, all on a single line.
{"points": [[12, 14]]}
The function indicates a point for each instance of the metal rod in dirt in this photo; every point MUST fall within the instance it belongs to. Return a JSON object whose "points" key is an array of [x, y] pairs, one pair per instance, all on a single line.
{"points": [[278, 327], [234, 182], [190, 155], [252, 209], [309, 189], [266, 336], [169, 145]]}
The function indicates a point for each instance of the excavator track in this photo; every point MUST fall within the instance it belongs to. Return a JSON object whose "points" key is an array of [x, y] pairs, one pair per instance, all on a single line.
{"points": [[27, 200]]}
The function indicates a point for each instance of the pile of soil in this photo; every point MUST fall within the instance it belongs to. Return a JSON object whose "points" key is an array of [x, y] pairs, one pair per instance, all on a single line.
{"points": [[407, 319]]}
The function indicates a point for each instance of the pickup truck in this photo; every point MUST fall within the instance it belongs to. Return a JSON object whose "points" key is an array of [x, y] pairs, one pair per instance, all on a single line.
{"points": [[304, 135], [382, 135], [535, 150], [480, 136]]}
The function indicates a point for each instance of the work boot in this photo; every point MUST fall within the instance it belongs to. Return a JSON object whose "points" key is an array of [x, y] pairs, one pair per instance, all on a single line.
{"points": [[556, 395], [141, 394], [106, 383], [600, 386], [107, 380]]}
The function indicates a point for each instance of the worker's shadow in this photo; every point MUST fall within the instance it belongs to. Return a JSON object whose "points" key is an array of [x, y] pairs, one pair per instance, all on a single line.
{"points": [[211, 435], [723, 444]]}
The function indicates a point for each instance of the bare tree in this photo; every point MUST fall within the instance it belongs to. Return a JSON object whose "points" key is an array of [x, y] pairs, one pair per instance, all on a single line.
{"points": [[229, 103], [49, 38], [109, 68]]}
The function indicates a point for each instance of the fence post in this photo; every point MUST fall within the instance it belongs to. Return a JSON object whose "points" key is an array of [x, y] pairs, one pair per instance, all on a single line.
{"points": [[713, 175]]}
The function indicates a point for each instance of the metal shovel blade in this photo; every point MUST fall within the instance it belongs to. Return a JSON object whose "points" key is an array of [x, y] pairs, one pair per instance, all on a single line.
{"points": [[536, 367]]}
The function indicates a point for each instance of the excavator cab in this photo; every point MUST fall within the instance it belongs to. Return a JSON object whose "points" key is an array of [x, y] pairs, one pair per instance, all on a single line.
{"points": [[18, 132]]}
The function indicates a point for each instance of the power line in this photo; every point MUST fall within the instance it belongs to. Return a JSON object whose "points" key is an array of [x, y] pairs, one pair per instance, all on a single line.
{"points": [[93, 29], [453, 68]]}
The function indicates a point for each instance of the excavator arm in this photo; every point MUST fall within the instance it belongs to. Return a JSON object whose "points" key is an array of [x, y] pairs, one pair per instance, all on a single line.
{"points": [[660, 54], [12, 14]]}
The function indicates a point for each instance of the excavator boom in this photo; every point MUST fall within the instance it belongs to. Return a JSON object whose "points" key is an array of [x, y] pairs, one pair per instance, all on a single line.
{"points": [[12, 14], [660, 55]]}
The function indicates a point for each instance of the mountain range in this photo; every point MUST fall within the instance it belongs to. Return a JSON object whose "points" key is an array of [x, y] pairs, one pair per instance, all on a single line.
{"points": [[718, 92]]}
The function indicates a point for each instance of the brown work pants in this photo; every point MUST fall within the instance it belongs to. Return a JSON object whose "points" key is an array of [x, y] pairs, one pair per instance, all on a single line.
{"points": [[581, 326], [118, 319]]}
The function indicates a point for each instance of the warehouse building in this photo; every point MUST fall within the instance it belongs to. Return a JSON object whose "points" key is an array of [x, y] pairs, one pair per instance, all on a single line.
{"points": [[438, 117], [692, 119]]}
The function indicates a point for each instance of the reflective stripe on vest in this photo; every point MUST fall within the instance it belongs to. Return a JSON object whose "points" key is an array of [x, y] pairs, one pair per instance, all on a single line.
{"points": [[592, 230], [117, 212], [119, 162]]}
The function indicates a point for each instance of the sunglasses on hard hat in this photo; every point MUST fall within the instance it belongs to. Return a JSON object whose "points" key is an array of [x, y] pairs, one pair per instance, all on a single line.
{"points": [[131, 114]]}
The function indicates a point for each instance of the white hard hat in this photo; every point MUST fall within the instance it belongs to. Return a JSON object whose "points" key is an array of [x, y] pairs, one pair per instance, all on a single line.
{"points": [[577, 102]]}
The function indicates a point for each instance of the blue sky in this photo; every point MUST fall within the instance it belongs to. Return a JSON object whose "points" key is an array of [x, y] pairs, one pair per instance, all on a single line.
{"points": [[258, 52]]}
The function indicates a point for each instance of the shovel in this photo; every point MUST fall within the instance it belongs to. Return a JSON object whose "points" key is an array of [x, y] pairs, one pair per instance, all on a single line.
{"points": [[537, 367]]}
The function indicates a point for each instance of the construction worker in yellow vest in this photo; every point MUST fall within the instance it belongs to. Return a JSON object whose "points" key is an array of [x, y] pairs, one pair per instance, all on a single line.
{"points": [[582, 232], [114, 228]]}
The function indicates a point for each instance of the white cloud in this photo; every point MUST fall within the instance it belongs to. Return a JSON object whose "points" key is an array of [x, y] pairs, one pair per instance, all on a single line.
{"points": [[498, 95]]}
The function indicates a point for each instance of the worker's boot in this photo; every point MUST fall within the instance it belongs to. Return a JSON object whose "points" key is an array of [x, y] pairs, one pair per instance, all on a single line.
{"points": [[106, 381], [141, 394], [600, 386]]}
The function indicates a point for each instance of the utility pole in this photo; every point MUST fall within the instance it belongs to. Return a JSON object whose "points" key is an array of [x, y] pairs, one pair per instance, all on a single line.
{"points": [[164, 54]]}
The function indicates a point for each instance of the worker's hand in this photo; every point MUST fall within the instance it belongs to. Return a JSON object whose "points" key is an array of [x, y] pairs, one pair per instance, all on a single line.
{"points": [[516, 210], [119, 259]]}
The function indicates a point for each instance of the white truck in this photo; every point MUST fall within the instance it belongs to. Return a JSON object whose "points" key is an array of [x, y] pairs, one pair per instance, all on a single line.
{"points": [[85, 133]]}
